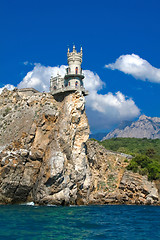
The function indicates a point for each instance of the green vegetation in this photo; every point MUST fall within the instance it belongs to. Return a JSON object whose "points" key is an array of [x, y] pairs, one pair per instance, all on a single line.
{"points": [[132, 145], [146, 154], [145, 166]]}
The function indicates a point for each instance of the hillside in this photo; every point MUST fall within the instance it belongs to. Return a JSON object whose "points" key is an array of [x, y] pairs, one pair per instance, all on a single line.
{"points": [[146, 154], [132, 145], [144, 127]]}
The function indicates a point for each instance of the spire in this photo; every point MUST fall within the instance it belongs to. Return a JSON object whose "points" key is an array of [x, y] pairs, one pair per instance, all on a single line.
{"points": [[74, 48], [68, 49], [81, 49]]}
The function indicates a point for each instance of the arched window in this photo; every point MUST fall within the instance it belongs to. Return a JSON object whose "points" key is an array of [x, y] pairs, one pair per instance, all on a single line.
{"points": [[76, 84], [55, 88], [76, 70], [68, 83]]}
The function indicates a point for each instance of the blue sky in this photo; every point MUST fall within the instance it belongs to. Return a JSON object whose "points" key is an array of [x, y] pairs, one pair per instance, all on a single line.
{"points": [[40, 31]]}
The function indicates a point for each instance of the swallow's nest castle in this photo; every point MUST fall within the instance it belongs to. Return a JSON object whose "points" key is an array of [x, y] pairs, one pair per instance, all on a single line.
{"points": [[73, 79], [71, 82]]}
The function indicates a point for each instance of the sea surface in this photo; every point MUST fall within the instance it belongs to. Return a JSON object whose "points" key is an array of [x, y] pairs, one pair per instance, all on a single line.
{"points": [[80, 222]]}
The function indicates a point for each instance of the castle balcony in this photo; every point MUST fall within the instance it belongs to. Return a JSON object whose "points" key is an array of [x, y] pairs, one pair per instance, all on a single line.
{"points": [[73, 75], [69, 89]]}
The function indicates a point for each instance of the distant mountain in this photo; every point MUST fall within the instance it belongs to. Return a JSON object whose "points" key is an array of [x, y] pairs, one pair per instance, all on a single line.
{"points": [[144, 127], [100, 135], [124, 124]]}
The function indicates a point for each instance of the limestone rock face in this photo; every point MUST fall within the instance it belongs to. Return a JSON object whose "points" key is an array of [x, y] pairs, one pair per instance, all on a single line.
{"points": [[144, 127], [46, 157], [113, 184], [43, 151], [138, 190]]}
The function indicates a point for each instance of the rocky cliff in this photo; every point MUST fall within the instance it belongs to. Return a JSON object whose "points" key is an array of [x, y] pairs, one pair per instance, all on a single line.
{"points": [[45, 156], [144, 127]]}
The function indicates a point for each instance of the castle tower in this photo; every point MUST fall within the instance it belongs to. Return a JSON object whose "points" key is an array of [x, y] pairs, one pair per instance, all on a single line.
{"points": [[74, 76], [73, 80]]}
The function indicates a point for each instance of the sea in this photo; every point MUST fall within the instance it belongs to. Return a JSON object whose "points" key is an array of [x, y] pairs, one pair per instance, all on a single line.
{"points": [[79, 222]]}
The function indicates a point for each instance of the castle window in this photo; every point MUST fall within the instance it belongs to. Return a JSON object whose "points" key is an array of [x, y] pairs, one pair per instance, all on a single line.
{"points": [[68, 83], [69, 69], [76, 70], [62, 86], [55, 88], [76, 84]]}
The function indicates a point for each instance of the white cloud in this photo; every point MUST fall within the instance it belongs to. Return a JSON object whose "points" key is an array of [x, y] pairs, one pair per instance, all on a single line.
{"points": [[106, 110], [39, 77], [137, 67], [103, 110], [92, 81], [8, 86]]}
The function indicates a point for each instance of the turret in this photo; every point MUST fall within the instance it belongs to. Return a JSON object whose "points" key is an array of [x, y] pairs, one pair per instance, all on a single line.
{"points": [[74, 61], [74, 74]]}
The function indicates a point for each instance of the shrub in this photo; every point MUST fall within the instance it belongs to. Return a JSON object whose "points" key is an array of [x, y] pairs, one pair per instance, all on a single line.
{"points": [[133, 166], [145, 166], [150, 152], [154, 170]]}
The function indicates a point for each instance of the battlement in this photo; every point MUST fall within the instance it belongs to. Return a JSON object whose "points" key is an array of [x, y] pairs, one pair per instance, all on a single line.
{"points": [[74, 56]]}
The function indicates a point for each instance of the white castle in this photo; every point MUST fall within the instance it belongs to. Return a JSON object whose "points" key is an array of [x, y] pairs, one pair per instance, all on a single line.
{"points": [[73, 80]]}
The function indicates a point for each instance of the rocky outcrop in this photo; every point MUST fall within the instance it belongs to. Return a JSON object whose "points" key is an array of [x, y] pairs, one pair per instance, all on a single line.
{"points": [[43, 152], [45, 156], [144, 127], [136, 189], [113, 184]]}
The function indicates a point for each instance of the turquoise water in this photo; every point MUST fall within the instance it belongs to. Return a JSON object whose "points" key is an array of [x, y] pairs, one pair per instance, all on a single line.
{"points": [[86, 222]]}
